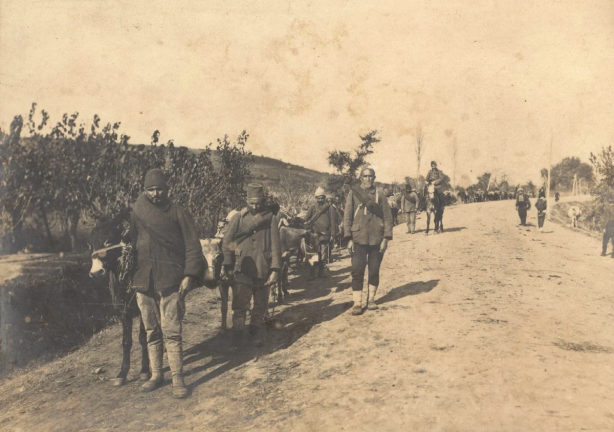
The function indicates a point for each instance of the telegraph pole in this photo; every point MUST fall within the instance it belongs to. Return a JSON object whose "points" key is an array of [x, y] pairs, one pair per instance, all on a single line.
{"points": [[548, 210]]}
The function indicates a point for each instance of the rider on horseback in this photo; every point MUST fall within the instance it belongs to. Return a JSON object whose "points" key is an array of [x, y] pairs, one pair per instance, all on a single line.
{"points": [[436, 178]]}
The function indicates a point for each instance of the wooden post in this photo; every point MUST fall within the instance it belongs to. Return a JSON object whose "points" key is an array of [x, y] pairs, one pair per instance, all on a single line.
{"points": [[548, 209]]}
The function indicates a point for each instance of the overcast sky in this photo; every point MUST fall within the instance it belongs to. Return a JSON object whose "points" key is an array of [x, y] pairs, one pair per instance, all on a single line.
{"points": [[497, 79]]}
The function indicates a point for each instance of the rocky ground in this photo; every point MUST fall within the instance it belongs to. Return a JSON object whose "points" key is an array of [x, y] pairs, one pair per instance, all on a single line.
{"points": [[488, 326]]}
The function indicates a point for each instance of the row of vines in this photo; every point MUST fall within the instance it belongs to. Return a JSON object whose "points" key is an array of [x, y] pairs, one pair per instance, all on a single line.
{"points": [[56, 177]]}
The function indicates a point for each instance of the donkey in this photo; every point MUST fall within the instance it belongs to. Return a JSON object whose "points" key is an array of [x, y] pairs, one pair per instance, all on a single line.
{"points": [[435, 206], [109, 241]]}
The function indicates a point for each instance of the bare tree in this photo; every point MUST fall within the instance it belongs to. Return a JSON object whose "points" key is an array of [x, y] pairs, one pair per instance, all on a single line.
{"points": [[419, 148]]}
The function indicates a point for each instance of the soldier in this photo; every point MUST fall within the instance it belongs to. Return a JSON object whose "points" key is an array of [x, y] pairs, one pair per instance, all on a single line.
{"points": [[368, 228], [436, 177], [322, 219], [522, 205], [541, 206], [333, 202], [252, 258], [409, 202], [169, 259]]}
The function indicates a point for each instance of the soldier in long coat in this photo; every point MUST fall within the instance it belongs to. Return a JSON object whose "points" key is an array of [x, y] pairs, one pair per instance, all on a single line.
{"points": [[409, 203], [322, 219], [523, 204], [368, 228], [170, 260], [252, 258]]}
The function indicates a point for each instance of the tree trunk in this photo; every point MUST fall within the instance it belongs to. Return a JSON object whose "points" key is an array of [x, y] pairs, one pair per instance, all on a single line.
{"points": [[46, 224], [74, 224]]}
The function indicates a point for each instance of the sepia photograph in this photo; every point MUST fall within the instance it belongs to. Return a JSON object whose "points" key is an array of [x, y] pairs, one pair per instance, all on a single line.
{"points": [[306, 215]]}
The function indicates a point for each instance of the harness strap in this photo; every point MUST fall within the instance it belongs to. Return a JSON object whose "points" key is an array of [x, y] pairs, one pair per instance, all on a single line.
{"points": [[117, 246]]}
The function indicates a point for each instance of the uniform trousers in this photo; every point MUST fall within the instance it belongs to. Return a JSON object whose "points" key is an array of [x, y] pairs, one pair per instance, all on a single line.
{"points": [[244, 288], [411, 221], [162, 312], [365, 255], [541, 217]]}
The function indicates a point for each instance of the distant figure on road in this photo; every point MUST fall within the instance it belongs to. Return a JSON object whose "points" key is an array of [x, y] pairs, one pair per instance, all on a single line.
{"points": [[541, 206], [436, 177], [522, 205], [368, 228], [409, 203], [574, 214], [608, 234], [557, 196]]}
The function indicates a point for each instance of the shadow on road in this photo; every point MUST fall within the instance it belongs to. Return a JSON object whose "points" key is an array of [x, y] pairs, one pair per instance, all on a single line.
{"points": [[304, 309], [413, 288], [455, 229]]}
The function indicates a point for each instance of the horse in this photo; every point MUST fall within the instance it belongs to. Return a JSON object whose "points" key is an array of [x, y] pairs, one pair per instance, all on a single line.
{"points": [[435, 206], [214, 258], [109, 243]]}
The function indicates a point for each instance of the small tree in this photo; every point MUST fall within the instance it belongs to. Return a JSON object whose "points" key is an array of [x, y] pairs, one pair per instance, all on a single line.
{"points": [[347, 164], [419, 148]]}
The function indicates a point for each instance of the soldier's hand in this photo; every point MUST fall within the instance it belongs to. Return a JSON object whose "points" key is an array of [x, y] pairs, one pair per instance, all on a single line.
{"points": [[351, 247], [272, 278], [228, 272], [186, 285], [383, 246]]}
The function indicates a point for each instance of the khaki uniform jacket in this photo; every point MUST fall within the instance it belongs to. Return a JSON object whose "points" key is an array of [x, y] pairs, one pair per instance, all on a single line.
{"points": [[326, 223], [435, 177], [257, 255], [364, 227], [166, 266], [408, 206]]}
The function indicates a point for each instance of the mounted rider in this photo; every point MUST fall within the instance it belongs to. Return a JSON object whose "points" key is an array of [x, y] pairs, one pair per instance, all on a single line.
{"points": [[436, 177], [322, 219], [368, 227]]}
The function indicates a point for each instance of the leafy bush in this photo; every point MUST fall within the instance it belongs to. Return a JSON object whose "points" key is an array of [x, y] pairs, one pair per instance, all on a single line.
{"points": [[72, 172]]}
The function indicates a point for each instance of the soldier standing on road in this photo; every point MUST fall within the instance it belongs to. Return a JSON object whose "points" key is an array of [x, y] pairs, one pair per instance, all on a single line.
{"points": [[409, 202], [170, 260], [368, 228], [541, 206], [252, 257], [322, 219], [522, 205]]}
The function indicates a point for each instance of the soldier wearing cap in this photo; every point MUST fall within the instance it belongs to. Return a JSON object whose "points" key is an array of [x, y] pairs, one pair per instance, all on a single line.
{"points": [[436, 177], [409, 203], [522, 205], [170, 259], [252, 257], [322, 219], [368, 228]]}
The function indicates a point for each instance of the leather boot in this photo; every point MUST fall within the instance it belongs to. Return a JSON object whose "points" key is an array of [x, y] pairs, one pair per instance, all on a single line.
{"points": [[371, 298], [238, 330], [175, 361], [357, 309], [156, 352]]}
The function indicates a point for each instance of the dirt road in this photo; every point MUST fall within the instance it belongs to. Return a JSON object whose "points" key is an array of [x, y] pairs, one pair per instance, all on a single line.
{"points": [[489, 327]]}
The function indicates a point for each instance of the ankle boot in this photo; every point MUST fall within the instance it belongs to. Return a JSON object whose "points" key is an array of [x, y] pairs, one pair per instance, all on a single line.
{"points": [[156, 352], [238, 330], [371, 298], [175, 361], [357, 309]]}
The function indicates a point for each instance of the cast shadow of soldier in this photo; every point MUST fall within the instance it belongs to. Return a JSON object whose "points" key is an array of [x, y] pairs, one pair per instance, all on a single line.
{"points": [[288, 326]]}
